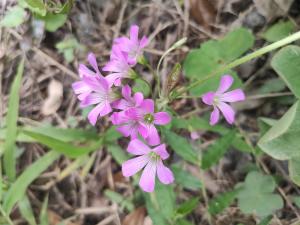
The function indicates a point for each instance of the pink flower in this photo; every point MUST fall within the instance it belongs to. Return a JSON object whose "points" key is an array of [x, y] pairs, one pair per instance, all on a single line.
{"points": [[119, 67], [95, 90], [80, 87], [132, 46], [141, 120], [219, 98], [151, 159], [129, 101]]}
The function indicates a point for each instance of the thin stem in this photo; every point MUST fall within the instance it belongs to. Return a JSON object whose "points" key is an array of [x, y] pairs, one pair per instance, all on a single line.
{"points": [[5, 216], [242, 60]]}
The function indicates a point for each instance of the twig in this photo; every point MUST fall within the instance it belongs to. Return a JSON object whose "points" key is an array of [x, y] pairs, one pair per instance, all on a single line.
{"points": [[120, 19], [270, 95]]}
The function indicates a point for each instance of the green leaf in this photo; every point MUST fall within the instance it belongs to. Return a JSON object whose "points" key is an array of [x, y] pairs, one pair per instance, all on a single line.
{"points": [[161, 204], [266, 220], [286, 64], [282, 140], [187, 207], [17, 191], [53, 21], [186, 179], [141, 86], [221, 202], [216, 151], [66, 7], [68, 47], [14, 17], [256, 195], [11, 123], [279, 31], [181, 146], [183, 222], [296, 200], [117, 153], [64, 147], [212, 55], [36, 6], [272, 85], [111, 135], [43, 213], [26, 211], [294, 170]]}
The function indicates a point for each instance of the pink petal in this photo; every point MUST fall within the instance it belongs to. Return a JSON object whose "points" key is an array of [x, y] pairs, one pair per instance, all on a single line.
{"points": [[144, 42], [94, 114], [208, 98], [126, 92], [80, 87], [214, 116], [127, 130], [153, 136], [106, 109], [137, 147], [138, 98], [227, 111], [134, 33], [91, 99], [195, 135], [161, 151], [233, 96], [97, 83], [148, 105], [147, 181], [84, 71], [112, 78], [162, 118], [164, 174], [92, 60], [225, 83], [132, 166], [121, 104], [143, 130]]}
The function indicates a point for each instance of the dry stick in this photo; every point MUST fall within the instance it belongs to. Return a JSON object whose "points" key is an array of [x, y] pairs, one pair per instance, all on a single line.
{"points": [[120, 19], [46, 57], [269, 95], [266, 170]]}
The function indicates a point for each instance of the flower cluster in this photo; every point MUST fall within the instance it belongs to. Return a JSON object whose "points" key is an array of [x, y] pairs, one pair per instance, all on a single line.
{"points": [[133, 115]]}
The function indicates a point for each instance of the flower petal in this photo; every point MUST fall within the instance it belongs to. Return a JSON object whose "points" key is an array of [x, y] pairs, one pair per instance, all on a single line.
{"points": [[91, 99], [134, 33], [126, 92], [137, 147], [162, 118], [227, 111], [153, 136], [132, 166], [80, 87], [138, 98], [94, 113], [225, 84], [92, 60], [208, 98], [161, 151], [144, 42], [214, 116], [147, 181], [164, 174], [84, 71], [233, 96], [148, 105]]}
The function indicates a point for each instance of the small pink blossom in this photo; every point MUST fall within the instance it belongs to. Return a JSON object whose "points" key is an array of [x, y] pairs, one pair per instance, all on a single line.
{"points": [[133, 46], [118, 66], [94, 89], [129, 101], [141, 120], [151, 159], [220, 98]]}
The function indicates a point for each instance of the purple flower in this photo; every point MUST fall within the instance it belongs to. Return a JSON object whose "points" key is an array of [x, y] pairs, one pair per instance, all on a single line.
{"points": [[151, 159], [132, 46], [129, 101], [94, 89], [219, 98], [141, 120], [118, 66]]}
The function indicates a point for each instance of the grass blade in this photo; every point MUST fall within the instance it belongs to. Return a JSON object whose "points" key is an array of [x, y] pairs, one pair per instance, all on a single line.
{"points": [[26, 211], [17, 191], [11, 123]]}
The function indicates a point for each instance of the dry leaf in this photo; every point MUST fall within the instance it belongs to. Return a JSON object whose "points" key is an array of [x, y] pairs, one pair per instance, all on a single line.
{"points": [[272, 8], [204, 12], [55, 219], [54, 99], [136, 217]]}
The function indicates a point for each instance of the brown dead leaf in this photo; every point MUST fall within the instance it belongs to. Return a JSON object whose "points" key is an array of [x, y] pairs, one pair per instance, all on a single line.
{"points": [[271, 9], [204, 12], [54, 99], [55, 219], [136, 217]]}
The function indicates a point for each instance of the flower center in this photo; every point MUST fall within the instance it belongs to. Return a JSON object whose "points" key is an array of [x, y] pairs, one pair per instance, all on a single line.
{"points": [[216, 100], [154, 157], [148, 118]]}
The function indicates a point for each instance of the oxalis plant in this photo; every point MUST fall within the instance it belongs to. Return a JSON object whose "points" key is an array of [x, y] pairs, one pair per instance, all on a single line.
{"points": [[143, 113]]}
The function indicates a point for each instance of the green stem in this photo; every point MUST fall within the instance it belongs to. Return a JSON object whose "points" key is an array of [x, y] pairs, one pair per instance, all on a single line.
{"points": [[242, 60], [5, 216]]}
